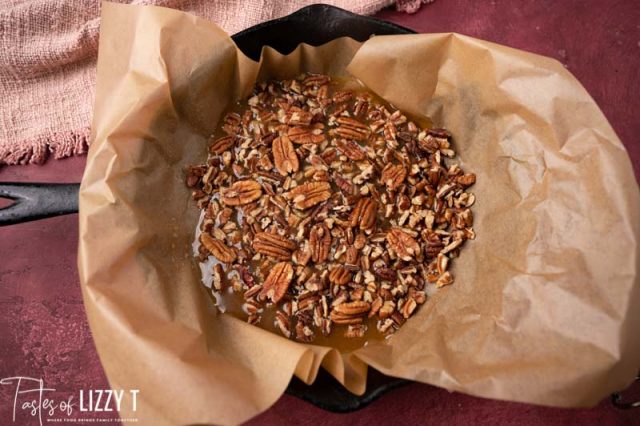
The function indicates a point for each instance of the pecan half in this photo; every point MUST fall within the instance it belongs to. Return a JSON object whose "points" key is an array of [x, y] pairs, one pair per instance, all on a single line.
{"points": [[342, 96], [319, 243], [351, 149], [309, 194], [351, 256], [342, 319], [241, 192], [429, 144], [277, 282], [384, 273], [403, 244], [218, 248], [284, 156], [221, 145], [439, 133], [339, 276], [364, 215], [345, 185], [316, 80], [274, 245], [351, 128], [393, 176], [301, 256], [306, 135], [353, 308]]}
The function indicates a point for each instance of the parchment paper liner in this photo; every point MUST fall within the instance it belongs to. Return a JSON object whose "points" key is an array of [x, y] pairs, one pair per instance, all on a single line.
{"points": [[541, 310]]}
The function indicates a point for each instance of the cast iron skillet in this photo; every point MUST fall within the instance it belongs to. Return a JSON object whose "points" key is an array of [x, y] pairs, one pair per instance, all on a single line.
{"points": [[314, 25]]}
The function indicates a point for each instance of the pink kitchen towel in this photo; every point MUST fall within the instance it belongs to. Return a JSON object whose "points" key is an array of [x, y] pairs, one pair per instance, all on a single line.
{"points": [[48, 51]]}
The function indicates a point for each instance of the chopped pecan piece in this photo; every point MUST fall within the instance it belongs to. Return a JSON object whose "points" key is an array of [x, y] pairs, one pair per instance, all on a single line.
{"points": [[253, 291], [345, 186], [283, 324], [444, 279], [354, 331], [304, 332], [429, 144], [298, 117], [284, 156], [307, 301], [221, 145], [309, 194], [409, 307], [241, 192], [316, 80], [439, 133], [466, 180], [387, 309], [218, 248], [277, 282], [375, 306], [274, 245], [320, 243], [390, 131], [231, 123], [433, 244]]}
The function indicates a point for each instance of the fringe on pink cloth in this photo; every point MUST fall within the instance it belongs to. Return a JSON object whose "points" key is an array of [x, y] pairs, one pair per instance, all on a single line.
{"points": [[37, 151], [410, 6], [48, 56]]}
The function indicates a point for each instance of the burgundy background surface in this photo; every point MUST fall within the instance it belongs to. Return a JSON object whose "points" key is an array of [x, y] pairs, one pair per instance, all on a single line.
{"points": [[43, 327]]}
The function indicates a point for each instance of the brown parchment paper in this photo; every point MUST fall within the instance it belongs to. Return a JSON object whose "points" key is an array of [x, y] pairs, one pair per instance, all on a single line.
{"points": [[544, 307]]}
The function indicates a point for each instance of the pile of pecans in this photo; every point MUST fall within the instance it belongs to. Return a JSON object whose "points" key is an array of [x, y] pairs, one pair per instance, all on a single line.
{"points": [[329, 207]]}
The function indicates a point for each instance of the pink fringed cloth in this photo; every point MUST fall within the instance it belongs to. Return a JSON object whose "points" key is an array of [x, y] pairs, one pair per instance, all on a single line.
{"points": [[48, 51]]}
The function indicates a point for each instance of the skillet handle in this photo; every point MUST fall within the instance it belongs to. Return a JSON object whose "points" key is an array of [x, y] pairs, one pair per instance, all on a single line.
{"points": [[33, 201]]}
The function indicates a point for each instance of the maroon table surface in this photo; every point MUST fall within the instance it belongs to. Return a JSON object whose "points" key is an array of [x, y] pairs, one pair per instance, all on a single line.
{"points": [[43, 328]]}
